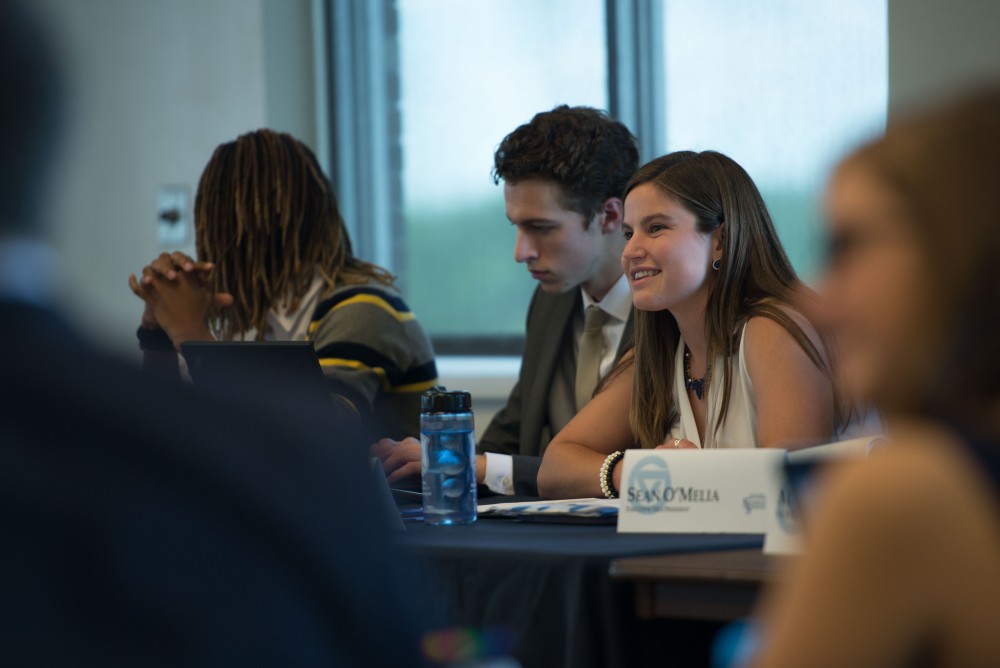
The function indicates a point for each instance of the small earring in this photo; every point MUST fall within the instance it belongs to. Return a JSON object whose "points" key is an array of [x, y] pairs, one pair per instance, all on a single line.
{"points": [[717, 264]]}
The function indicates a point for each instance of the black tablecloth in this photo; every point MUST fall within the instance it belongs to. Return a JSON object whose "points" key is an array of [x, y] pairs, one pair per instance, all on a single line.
{"points": [[548, 585]]}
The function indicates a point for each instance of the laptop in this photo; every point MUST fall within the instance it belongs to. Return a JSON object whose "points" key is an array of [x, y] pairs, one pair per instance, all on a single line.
{"points": [[216, 365]]}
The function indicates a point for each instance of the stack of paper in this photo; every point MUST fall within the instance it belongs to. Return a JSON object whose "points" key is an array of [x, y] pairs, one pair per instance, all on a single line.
{"points": [[568, 510]]}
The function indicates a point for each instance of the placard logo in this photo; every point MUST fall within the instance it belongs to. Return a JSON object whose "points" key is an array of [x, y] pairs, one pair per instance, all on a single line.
{"points": [[648, 485], [649, 489], [786, 510], [753, 502]]}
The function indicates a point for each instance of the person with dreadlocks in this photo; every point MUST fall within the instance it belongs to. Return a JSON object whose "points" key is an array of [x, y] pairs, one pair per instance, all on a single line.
{"points": [[275, 263]]}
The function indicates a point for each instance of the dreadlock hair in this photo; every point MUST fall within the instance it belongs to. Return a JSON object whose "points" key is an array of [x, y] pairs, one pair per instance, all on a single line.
{"points": [[755, 279], [266, 216]]}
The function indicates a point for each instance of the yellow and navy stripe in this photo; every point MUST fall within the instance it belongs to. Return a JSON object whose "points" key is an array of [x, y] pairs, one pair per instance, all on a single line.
{"points": [[359, 357], [392, 305]]}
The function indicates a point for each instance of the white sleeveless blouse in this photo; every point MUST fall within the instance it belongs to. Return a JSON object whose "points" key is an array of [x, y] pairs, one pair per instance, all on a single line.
{"points": [[739, 429]]}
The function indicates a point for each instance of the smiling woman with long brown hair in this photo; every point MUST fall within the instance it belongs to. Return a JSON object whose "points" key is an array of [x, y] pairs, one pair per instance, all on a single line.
{"points": [[721, 358]]}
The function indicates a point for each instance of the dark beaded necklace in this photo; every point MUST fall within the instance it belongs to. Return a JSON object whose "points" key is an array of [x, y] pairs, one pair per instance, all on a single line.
{"points": [[696, 384]]}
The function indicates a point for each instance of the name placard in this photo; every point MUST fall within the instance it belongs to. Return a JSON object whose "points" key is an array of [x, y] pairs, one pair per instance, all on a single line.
{"points": [[699, 491], [784, 533]]}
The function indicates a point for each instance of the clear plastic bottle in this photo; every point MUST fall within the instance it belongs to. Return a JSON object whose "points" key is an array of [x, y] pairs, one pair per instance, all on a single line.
{"points": [[448, 449]]}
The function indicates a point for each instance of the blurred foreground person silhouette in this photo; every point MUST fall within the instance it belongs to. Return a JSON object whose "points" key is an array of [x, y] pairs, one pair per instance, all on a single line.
{"points": [[144, 524], [902, 565]]}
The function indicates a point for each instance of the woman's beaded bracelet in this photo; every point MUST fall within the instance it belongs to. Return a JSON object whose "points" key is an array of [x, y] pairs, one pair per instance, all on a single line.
{"points": [[607, 485]]}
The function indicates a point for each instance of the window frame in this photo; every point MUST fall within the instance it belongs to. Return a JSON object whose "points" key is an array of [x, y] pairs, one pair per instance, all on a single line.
{"points": [[358, 82]]}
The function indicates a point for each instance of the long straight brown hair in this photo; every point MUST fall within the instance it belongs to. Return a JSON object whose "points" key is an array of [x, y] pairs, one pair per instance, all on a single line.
{"points": [[755, 279], [266, 215]]}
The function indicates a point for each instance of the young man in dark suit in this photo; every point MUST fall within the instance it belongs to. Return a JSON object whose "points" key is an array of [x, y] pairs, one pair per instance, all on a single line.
{"points": [[144, 524], [563, 175]]}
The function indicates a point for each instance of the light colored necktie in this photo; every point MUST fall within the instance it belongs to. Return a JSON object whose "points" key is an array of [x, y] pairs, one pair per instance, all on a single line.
{"points": [[588, 362]]}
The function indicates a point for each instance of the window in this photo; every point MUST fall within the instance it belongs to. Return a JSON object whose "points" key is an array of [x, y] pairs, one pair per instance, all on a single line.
{"points": [[784, 88], [470, 72], [422, 91]]}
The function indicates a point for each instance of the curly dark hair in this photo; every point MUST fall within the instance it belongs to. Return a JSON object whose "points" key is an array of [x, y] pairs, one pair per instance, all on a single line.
{"points": [[590, 155]]}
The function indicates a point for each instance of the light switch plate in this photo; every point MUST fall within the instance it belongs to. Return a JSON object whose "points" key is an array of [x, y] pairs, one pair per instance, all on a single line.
{"points": [[172, 227]]}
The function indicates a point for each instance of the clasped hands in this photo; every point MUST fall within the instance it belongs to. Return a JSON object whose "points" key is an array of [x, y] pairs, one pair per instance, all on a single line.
{"points": [[178, 297]]}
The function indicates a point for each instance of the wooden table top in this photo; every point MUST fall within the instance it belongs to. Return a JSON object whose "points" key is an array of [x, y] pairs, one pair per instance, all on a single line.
{"points": [[721, 585], [742, 566]]}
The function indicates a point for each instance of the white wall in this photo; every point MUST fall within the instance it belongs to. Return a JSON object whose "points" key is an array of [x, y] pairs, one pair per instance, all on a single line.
{"points": [[158, 84]]}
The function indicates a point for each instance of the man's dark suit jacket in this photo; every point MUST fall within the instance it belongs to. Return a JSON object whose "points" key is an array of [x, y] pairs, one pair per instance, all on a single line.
{"points": [[518, 428], [144, 524]]}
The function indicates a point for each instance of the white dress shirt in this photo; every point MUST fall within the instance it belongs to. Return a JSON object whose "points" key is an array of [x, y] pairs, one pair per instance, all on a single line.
{"points": [[617, 304]]}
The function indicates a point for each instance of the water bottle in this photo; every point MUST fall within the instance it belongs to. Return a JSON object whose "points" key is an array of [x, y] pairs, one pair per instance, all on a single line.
{"points": [[448, 457]]}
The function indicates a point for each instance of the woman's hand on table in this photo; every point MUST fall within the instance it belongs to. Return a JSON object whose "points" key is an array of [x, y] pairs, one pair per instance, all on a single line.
{"points": [[671, 444], [677, 443]]}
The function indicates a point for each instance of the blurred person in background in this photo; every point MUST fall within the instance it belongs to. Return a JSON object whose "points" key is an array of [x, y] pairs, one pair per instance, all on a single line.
{"points": [[902, 563], [144, 524]]}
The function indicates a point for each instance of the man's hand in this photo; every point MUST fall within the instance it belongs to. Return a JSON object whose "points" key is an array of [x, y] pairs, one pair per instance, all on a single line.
{"points": [[400, 459]]}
